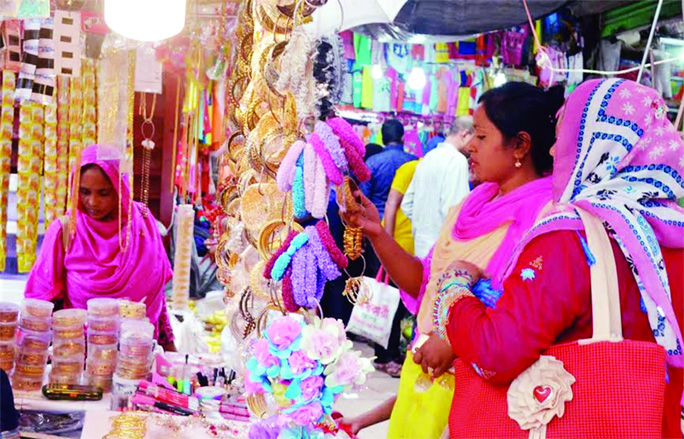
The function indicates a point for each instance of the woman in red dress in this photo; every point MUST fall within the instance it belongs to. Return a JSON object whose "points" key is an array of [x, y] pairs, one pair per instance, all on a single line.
{"points": [[619, 158]]}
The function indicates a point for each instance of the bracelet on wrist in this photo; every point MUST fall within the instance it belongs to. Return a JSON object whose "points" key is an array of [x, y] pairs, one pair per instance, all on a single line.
{"points": [[442, 305]]}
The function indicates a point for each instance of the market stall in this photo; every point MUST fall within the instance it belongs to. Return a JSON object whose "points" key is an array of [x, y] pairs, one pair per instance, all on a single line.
{"points": [[238, 125]]}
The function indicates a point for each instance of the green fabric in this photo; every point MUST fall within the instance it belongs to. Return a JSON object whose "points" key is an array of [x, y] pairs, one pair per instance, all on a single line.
{"points": [[363, 50]]}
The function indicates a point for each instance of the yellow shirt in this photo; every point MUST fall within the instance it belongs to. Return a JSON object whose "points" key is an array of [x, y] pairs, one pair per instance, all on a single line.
{"points": [[402, 225]]}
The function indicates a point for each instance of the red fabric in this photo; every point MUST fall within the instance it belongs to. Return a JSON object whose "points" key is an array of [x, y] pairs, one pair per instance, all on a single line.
{"points": [[554, 308], [611, 397]]}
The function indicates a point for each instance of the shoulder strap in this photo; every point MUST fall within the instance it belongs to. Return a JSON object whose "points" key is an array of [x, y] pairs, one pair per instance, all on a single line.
{"points": [[66, 232], [605, 295]]}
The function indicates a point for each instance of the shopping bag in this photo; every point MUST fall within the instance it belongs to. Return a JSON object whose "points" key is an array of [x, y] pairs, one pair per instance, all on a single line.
{"points": [[419, 412], [602, 387], [373, 318]]}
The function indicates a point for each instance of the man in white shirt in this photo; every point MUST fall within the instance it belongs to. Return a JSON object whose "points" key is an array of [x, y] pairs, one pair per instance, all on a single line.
{"points": [[441, 181]]}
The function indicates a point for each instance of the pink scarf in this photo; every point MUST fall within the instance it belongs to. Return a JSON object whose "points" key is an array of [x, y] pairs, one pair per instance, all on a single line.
{"points": [[94, 265], [482, 214]]}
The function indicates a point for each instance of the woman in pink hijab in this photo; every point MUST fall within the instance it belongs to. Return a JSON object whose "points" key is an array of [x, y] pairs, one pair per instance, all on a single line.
{"points": [[620, 159], [100, 260]]}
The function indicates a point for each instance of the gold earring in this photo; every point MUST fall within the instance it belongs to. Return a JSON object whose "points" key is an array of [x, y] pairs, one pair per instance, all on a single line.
{"points": [[517, 163]]}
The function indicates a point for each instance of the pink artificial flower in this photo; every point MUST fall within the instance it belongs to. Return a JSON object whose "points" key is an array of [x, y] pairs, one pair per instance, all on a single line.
{"points": [[349, 370], [263, 355], [300, 363], [335, 326], [320, 345], [306, 415], [283, 332], [251, 387], [311, 387]]}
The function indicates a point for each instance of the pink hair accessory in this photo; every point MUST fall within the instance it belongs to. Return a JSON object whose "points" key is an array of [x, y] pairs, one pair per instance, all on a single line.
{"points": [[353, 146], [288, 166], [283, 248], [310, 177], [344, 130], [329, 243], [331, 170], [288, 297], [321, 191], [332, 143]]}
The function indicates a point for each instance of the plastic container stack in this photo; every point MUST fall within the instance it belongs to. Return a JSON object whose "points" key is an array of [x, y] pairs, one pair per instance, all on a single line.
{"points": [[103, 336], [185, 217], [9, 319], [33, 341], [129, 310], [136, 345], [68, 346]]}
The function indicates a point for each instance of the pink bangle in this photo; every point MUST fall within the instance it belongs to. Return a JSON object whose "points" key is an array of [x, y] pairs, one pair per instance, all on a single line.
{"points": [[331, 170], [288, 166], [329, 243], [283, 248]]}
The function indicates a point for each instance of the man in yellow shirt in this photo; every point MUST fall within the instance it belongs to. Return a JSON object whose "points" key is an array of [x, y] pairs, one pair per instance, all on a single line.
{"points": [[395, 221]]}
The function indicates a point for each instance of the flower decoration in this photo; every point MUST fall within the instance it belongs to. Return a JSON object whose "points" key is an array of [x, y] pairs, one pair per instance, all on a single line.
{"points": [[539, 394], [305, 367]]}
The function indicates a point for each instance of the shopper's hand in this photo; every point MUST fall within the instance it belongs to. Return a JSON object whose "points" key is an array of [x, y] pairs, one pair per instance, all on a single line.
{"points": [[355, 424], [475, 272], [436, 355], [366, 217]]}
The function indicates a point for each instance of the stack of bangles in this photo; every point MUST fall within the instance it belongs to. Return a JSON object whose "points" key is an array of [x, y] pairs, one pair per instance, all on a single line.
{"points": [[453, 286], [304, 263]]}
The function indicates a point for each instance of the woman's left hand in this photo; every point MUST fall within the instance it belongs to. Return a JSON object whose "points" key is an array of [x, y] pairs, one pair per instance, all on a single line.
{"points": [[435, 354]]}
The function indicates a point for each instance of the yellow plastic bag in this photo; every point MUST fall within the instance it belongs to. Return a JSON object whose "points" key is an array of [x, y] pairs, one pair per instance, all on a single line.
{"points": [[418, 413]]}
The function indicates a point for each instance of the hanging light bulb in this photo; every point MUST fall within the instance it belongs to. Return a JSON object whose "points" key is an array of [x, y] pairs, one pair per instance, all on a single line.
{"points": [[145, 20], [417, 79], [376, 73], [500, 79]]}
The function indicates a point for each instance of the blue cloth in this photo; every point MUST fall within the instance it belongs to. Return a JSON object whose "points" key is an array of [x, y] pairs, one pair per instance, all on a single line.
{"points": [[432, 143], [383, 166]]}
